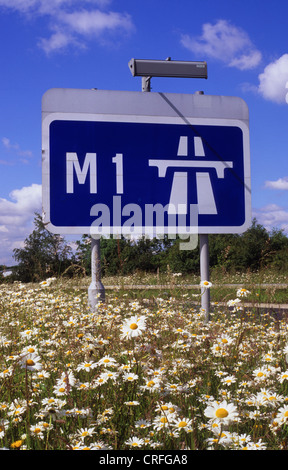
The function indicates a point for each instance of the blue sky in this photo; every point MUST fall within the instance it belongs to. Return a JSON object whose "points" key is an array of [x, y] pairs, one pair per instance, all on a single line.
{"points": [[88, 44]]}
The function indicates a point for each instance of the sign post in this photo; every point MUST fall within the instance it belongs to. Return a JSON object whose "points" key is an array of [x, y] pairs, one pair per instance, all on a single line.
{"points": [[204, 274], [96, 290]]}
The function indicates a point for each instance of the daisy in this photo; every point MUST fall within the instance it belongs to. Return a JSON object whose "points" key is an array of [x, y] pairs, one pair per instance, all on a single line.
{"points": [[134, 442], [142, 424], [222, 412], [184, 424], [29, 350], [131, 403], [259, 445], [283, 376], [206, 284], [60, 390], [242, 292], [133, 327], [85, 432], [31, 362], [37, 431], [282, 415], [28, 333], [228, 380], [224, 438], [110, 375], [151, 385], [87, 366], [261, 373], [107, 361], [101, 380], [99, 445], [67, 379], [234, 303], [6, 372], [161, 422], [241, 440], [225, 339], [42, 375], [130, 377], [4, 424], [168, 408]]}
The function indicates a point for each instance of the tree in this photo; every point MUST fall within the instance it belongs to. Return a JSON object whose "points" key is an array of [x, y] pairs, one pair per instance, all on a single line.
{"points": [[44, 254]]}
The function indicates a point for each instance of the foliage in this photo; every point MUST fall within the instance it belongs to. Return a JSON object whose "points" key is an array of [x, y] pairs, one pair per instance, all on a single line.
{"points": [[44, 254]]}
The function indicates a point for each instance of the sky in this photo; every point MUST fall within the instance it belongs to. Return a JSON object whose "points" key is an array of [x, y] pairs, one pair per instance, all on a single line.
{"points": [[88, 44]]}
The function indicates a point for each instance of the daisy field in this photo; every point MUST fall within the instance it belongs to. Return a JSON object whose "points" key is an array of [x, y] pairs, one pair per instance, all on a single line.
{"points": [[143, 374]]}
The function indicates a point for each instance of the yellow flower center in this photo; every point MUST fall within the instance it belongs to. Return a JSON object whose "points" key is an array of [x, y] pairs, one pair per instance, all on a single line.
{"points": [[150, 383], [37, 430], [260, 374], [133, 326], [182, 424], [30, 362], [164, 420], [286, 414], [221, 413]]}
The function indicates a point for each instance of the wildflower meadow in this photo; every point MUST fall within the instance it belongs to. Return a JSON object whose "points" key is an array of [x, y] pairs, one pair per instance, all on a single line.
{"points": [[139, 373]]}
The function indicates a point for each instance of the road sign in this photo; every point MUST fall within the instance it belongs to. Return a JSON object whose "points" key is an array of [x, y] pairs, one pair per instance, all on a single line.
{"points": [[117, 162]]}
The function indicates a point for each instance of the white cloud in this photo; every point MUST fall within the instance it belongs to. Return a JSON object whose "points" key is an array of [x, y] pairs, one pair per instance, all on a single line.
{"points": [[95, 22], [44, 6], [72, 22], [225, 42], [281, 183], [273, 82], [272, 216], [15, 147], [16, 219], [57, 41]]}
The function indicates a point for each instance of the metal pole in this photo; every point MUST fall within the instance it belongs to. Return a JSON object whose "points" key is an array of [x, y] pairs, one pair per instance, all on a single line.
{"points": [[204, 273], [96, 290], [204, 265], [146, 83]]}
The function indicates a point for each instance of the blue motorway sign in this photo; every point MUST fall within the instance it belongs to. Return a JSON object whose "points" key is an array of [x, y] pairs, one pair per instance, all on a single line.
{"points": [[137, 174]]}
